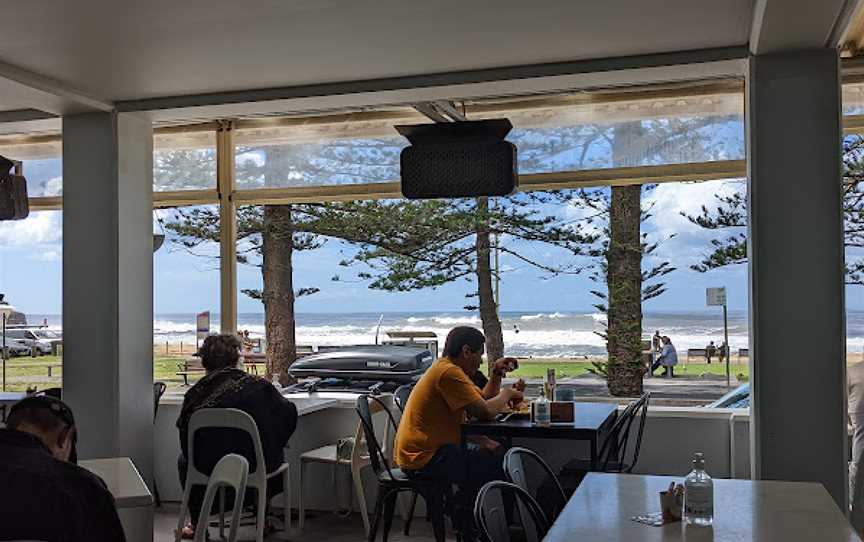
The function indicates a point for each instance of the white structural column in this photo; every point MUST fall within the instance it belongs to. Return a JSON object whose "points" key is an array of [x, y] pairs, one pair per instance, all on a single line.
{"points": [[795, 254], [108, 284]]}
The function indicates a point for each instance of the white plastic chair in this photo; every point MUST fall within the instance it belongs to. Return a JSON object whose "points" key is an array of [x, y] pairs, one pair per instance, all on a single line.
{"points": [[232, 418], [231, 471], [358, 461]]}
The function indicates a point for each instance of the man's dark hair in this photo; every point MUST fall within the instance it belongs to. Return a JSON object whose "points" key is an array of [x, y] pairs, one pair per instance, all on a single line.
{"points": [[461, 336], [42, 412], [219, 351]]}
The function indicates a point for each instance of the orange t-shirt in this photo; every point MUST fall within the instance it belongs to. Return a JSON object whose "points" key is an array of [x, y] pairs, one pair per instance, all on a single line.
{"points": [[434, 413]]}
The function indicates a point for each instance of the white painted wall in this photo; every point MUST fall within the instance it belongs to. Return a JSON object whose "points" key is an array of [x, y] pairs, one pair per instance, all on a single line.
{"points": [[671, 436]]}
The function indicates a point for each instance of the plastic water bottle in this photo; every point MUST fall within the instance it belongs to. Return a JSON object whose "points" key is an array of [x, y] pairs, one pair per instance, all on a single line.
{"points": [[698, 494], [542, 415]]}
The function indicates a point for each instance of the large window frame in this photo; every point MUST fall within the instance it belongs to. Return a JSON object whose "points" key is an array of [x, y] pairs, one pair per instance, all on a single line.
{"points": [[228, 197]]}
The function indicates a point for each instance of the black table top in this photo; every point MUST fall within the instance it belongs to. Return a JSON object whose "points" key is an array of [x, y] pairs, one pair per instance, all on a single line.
{"points": [[589, 419]]}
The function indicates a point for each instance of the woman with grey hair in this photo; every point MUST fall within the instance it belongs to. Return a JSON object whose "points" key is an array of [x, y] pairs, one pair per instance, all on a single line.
{"points": [[225, 385]]}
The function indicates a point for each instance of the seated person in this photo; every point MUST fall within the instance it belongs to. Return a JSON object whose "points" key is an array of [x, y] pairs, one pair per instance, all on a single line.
{"points": [[668, 358], [226, 386], [428, 440], [44, 495]]}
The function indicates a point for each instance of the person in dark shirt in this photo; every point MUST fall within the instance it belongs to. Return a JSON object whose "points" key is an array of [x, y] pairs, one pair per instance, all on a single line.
{"points": [[43, 495], [227, 386]]}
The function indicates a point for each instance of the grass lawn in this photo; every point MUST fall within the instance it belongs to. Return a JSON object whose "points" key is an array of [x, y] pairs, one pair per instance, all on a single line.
{"points": [[25, 372], [537, 369]]}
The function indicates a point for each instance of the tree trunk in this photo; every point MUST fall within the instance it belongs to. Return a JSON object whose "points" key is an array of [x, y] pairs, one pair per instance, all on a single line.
{"points": [[488, 308], [278, 294], [277, 250], [624, 275]]}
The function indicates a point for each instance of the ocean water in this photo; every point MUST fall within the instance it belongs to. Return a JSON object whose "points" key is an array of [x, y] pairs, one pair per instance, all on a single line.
{"points": [[538, 334]]}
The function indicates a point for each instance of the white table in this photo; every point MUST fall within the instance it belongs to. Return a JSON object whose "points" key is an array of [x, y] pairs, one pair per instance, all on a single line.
{"points": [[7, 399], [131, 495], [601, 509]]}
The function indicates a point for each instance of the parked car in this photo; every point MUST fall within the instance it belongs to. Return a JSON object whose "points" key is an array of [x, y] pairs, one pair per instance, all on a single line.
{"points": [[17, 348], [29, 338], [737, 398], [54, 338]]}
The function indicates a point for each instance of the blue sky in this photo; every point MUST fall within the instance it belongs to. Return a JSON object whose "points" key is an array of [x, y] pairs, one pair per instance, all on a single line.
{"points": [[30, 272]]}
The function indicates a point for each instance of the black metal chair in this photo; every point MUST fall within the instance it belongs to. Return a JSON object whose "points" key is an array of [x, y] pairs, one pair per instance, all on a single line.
{"points": [[158, 392], [393, 481], [56, 393], [401, 395], [526, 469], [614, 455], [504, 512]]}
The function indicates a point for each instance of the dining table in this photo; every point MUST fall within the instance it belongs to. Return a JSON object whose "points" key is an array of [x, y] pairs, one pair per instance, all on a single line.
{"points": [[590, 420], [603, 507], [7, 399], [132, 497]]}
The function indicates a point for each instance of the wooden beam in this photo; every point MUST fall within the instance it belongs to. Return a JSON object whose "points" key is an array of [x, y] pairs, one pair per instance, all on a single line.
{"points": [[560, 180], [46, 203], [225, 178], [624, 176], [853, 124], [313, 194], [180, 198]]}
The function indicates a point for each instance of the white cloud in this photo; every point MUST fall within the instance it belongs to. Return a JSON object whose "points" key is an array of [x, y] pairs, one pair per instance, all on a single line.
{"points": [[40, 228], [690, 242], [53, 187]]}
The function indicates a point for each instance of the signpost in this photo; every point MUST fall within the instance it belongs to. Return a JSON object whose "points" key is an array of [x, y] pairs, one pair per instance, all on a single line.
{"points": [[202, 326], [717, 297]]}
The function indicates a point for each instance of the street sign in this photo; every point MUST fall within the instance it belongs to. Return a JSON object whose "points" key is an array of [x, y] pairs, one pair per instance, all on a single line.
{"points": [[715, 296], [202, 325]]}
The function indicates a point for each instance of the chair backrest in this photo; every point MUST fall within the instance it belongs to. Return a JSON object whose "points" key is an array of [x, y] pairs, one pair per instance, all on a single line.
{"points": [[526, 469], [225, 419], [385, 432], [613, 453], [158, 392], [231, 471], [401, 395], [498, 520], [56, 393], [378, 456]]}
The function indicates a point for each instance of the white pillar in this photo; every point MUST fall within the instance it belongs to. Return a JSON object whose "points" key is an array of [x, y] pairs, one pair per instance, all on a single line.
{"points": [[108, 284], [797, 335]]}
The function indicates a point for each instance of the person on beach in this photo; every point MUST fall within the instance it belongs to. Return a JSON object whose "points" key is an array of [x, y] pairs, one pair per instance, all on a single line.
{"points": [[668, 358], [227, 386], [710, 350], [45, 495], [657, 341], [428, 440]]}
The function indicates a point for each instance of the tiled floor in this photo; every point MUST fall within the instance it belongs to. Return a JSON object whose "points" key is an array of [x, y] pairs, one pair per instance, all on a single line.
{"points": [[319, 527]]}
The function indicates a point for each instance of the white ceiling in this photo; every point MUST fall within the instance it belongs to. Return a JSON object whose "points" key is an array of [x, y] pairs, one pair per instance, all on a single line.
{"points": [[62, 56], [125, 50]]}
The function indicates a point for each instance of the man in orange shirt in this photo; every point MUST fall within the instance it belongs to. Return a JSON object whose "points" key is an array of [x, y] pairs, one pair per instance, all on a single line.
{"points": [[428, 440]]}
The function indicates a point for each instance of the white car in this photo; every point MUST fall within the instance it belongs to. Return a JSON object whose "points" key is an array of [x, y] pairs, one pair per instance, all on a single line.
{"points": [[29, 338]]}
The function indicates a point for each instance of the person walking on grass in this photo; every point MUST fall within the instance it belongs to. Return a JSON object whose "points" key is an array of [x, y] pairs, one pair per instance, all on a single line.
{"points": [[710, 350]]}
